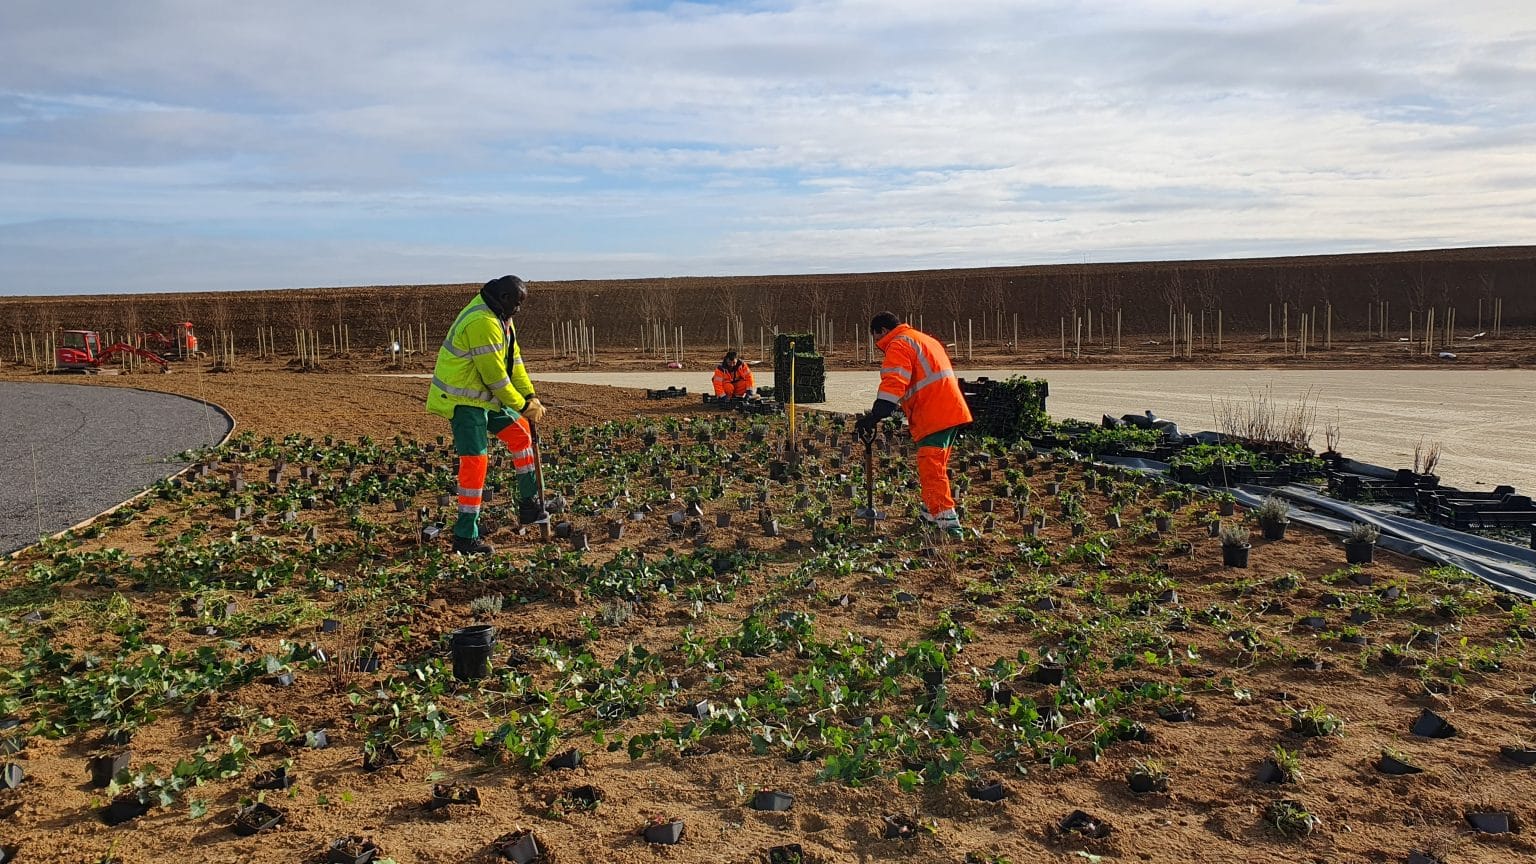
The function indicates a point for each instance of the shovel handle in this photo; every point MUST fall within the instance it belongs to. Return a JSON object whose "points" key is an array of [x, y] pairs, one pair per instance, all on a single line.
{"points": [[866, 436]]}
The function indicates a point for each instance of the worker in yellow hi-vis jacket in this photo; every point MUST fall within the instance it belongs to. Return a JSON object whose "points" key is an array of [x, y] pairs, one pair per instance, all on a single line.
{"points": [[480, 385]]}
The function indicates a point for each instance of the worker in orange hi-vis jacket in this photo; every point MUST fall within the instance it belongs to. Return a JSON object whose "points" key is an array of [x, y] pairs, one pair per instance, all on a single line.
{"points": [[733, 377], [917, 377]]}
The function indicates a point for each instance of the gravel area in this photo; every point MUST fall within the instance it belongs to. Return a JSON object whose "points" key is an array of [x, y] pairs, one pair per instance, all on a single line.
{"points": [[68, 452], [1482, 417]]}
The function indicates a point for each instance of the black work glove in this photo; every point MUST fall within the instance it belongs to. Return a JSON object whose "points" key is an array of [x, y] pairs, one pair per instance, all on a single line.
{"points": [[867, 423]]}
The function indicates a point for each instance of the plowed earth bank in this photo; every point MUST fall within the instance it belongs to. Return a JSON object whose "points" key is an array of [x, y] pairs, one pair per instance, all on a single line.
{"points": [[1255, 298]]}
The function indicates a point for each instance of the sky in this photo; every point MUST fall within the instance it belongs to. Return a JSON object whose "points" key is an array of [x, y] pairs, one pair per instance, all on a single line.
{"points": [[188, 145]]}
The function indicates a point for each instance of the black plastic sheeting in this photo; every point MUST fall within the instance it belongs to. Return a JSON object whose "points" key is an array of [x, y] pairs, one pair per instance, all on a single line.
{"points": [[1504, 565]]}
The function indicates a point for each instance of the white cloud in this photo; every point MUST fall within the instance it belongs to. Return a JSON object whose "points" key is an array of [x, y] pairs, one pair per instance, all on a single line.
{"points": [[314, 141]]}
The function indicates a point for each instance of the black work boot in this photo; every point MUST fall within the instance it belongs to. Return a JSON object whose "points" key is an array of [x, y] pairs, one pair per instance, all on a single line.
{"points": [[530, 511], [471, 546]]}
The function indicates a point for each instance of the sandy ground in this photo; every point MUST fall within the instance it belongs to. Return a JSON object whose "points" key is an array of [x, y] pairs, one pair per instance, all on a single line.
{"points": [[1482, 418]]}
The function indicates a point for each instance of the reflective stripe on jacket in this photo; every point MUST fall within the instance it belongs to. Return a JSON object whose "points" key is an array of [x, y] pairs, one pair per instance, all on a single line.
{"points": [[917, 376], [733, 382], [480, 364]]}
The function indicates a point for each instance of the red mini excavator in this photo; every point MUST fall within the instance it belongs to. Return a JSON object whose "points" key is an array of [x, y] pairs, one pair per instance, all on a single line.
{"points": [[181, 343], [81, 349]]}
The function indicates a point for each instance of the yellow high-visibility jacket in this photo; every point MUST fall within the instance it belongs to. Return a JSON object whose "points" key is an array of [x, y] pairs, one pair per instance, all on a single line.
{"points": [[479, 364]]}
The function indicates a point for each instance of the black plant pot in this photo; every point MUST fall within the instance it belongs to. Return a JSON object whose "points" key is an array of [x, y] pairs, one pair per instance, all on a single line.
{"points": [[766, 799], [351, 850], [1270, 772], [124, 808], [1080, 823], [898, 827], [520, 847], [1146, 784], [1518, 755], [987, 790], [382, 757], [107, 766], [1176, 713], [1389, 764], [1235, 556], [667, 833], [277, 778], [256, 818], [789, 853], [1049, 673], [472, 647], [568, 760], [446, 794], [1432, 725], [1274, 530], [1490, 823], [1358, 552]]}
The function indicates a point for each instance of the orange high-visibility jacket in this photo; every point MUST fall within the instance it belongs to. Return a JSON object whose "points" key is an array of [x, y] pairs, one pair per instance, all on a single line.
{"points": [[733, 382], [917, 376]]}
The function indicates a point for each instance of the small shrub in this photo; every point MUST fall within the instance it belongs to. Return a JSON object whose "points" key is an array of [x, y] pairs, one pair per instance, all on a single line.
{"points": [[1361, 532], [1234, 536], [1272, 509], [490, 604]]}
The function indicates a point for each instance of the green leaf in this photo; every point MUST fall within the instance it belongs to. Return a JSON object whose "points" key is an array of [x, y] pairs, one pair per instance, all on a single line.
{"points": [[197, 808]]}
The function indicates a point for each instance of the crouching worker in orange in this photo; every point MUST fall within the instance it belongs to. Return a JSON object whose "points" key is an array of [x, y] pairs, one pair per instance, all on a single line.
{"points": [[917, 377], [733, 377], [481, 387]]}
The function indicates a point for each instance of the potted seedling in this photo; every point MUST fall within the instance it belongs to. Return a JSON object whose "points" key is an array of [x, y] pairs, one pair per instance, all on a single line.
{"points": [[125, 807], [1432, 725], [1147, 776], [1491, 821], [256, 817], [1235, 546], [1290, 819], [1162, 520], [277, 778], [106, 765], [1360, 544], [664, 831], [987, 789], [520, 847], [353, 849], [767, 799], [1315, 722], [448, 794], [1273, 516], [1396, 764], [1226, 503], [1281, 766], [1520, 753], [1084, 825]]}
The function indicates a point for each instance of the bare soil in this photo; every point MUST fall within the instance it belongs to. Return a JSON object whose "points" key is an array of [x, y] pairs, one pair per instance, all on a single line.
{"points": [[1213, 811]]}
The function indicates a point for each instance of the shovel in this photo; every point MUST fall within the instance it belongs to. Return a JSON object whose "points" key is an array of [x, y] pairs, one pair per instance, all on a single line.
{"points": [[868, 511], [538, 476]]}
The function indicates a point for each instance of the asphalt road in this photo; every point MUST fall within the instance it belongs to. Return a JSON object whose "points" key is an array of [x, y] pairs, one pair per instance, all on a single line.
{"points": [[70, 451]]}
